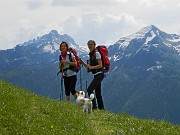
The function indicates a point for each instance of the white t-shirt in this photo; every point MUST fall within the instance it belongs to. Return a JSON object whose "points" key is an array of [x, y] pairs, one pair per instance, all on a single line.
{"points": [[69, 72], [98, 55]]}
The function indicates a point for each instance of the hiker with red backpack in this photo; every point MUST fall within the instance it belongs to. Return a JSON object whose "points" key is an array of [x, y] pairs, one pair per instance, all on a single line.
{"points": [[68, 68], [98, 64]]}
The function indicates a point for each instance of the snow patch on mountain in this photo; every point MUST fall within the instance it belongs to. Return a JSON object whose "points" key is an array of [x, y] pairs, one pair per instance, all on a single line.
{"points": [[174, 39], [146, 45], [48, 48], [124, 42], [148, 39], [155, 45], [177, 48], [115, 57], [128, 55], [16, 59], [56, 46], [73, 46], [167, 44], [154, 68], [142, 32], [84, 48], [115, 68]]}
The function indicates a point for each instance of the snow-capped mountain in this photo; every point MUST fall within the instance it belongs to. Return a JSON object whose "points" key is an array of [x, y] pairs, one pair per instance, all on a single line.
{"points": [[34, 64], [145, 75], [146, 38], [50, 42], [149, 41], [39, 51]]}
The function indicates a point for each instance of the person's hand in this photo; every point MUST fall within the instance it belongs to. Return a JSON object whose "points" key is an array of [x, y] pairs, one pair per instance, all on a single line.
{"points": [[80, 60], [64, 61], [89, 66]]}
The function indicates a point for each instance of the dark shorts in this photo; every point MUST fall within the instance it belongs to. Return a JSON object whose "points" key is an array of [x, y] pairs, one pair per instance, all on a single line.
{"points": [[70, 84]]}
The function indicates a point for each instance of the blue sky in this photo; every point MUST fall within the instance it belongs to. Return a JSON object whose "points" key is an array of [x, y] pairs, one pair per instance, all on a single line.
{"points": [[103, 21]]}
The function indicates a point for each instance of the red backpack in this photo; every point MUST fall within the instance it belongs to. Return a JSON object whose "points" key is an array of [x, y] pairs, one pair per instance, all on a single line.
{"points": [[74, 52], [104, 57]]}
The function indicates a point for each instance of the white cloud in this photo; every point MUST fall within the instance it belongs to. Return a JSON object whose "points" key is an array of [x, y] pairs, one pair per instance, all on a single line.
{"points": [[123, 1], [26, 32], [36, 4], [104, 28], [29, 31], [178, 5], [104, 21], [150, 2], [6, 40], [100, 27], [86, 2]]}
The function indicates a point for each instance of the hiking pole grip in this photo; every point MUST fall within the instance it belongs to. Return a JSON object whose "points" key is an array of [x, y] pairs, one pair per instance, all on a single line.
{"points": [[59, 72]]}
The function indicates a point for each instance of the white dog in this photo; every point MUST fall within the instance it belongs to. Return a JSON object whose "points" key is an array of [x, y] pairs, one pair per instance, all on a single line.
{"points": [[84, 103]]}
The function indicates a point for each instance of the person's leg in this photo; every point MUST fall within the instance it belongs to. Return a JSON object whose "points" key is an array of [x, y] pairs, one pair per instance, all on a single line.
{"points": [[99, 97], [99, 77], [73, 80], [67, 88], [68, 98], [90, 91], [95, 83]]}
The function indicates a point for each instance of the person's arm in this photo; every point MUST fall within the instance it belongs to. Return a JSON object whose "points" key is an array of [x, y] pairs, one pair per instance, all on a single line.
{"points": [[73, 63], [98, 57], [60, 64], [82, 62]]}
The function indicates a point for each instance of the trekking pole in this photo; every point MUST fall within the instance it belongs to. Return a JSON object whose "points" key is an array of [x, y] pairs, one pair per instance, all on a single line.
{"points": [[81, 77], [60, 93], [87, 76], [62, 75]]}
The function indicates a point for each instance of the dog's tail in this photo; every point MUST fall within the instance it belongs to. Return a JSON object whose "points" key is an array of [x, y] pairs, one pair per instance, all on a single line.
{"points": [[91, 96]]}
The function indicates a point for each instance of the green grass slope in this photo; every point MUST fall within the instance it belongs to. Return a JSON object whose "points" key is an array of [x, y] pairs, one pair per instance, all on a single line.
{"points": [[24, 113]]}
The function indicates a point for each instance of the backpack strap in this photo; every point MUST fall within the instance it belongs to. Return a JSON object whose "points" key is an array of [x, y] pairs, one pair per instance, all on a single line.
{"points": [[70, 59], [69, 55], [98, 50]]}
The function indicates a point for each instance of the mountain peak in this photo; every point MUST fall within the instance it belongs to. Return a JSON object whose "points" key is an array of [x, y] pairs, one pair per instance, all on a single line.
{"points": [[151, 27], [54, 32], [142, 33], [52, 35], [154, 27], [148, 29]]}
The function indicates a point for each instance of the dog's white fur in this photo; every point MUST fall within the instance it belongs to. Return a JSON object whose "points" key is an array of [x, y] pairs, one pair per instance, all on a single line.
{"points": [[84, 103]]}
